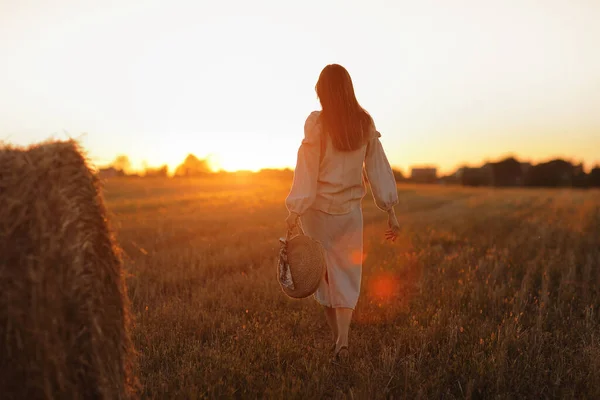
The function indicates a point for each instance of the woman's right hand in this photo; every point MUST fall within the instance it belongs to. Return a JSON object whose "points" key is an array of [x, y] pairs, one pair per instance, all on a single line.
{"points": [[393, 226]]}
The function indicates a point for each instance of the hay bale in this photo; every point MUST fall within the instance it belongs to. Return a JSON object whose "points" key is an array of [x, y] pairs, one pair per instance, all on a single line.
{"points": [[64, 321]]}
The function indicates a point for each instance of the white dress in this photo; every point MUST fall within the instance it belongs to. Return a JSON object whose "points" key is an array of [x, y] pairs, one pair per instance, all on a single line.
{"points": [[327, 191]]}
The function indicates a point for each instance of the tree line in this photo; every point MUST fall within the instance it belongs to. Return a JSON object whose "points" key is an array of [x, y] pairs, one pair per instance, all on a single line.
{"points": [[508, 172], [511, 172], [191, 166]]}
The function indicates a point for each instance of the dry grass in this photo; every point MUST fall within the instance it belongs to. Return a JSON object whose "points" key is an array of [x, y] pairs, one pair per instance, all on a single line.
{"points": [[487, 293], [63, 305]]}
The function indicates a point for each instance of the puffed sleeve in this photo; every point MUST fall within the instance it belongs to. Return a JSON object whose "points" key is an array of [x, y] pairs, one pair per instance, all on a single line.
{"points": [[304, 187], [379, 174]]}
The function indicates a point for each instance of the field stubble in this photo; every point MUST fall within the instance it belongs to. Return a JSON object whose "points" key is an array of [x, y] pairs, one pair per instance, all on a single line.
{"points": [[486, 293]]}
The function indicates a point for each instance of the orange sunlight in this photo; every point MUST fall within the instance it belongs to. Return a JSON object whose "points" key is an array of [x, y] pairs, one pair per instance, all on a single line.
{"points": [[235, 82]]}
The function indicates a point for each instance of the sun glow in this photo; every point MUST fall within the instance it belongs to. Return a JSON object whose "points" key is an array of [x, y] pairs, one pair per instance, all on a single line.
{"points": [[237, 161], [235, 81]]}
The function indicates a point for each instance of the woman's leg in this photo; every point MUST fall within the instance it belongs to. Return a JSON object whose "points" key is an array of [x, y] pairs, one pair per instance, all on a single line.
{"points": [[332, 322], [344, 317]]}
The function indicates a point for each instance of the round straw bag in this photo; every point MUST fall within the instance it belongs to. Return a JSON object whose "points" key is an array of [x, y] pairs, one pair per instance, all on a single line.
{"points": [[306, 263]]}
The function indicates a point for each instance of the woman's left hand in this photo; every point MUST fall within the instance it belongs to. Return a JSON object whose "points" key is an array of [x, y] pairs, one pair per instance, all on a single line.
{"points": [[292, 220], [393, 226]]}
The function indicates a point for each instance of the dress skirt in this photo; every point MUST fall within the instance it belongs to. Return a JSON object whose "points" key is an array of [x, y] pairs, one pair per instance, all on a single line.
{"points": [[342, 238]]}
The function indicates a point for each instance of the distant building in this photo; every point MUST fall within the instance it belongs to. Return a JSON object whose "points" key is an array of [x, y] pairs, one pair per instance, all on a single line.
{"points": [[423, 175]]}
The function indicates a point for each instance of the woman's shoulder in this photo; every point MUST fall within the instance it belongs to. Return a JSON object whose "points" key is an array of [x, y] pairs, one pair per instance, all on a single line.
{"points": [[373, 132], [311, 126], [312, 119]]}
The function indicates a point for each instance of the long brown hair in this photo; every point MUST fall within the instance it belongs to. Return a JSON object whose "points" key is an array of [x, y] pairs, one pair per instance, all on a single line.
{"points": [[346, 122]]}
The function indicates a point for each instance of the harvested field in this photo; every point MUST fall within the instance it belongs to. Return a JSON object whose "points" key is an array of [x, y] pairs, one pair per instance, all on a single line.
{"points": [[487, 293]]}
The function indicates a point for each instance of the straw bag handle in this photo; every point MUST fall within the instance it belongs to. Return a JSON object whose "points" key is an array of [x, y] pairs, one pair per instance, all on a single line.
{"points": [[299, 229]]}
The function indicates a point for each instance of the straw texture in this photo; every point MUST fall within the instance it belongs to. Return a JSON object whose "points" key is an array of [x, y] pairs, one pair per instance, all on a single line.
{"points": [[64, 319]]}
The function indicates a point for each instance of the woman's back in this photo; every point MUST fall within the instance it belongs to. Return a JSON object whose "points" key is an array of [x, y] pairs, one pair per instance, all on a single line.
{"points": [[339, 186], [340, 183]]}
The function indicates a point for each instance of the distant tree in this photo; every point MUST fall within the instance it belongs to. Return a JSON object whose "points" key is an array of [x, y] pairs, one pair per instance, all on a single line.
{"points": [[192, 166], [469, 176], [276, 173], [508, 172], [580, 178], [594, 176], [451, 179], [398, 175], [551, 174], [122, 163], [161, 172]]}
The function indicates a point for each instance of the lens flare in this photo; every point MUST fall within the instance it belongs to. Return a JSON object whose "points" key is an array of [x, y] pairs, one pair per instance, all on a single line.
{"points": [[383, 288]]}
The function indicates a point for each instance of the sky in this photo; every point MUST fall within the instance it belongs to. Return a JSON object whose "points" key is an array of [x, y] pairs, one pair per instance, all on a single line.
{"points": [[447, 82]]}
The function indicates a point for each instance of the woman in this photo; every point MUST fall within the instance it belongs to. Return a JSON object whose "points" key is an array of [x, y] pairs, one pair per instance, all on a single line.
{"points": [[340, 147]]}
